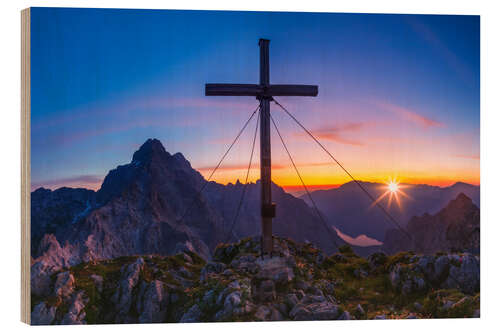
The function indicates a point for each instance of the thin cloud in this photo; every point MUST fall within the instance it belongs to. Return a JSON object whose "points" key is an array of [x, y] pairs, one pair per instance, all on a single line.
{"points": [[236, 167], [334, 133], [463, 71], [110, 128], [92, 182], [337, 138], [130, 107], [472, 156], [410, 115], [277, 166]]}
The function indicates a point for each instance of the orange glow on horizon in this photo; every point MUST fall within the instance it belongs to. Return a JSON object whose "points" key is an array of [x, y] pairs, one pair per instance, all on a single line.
{"points": [[287, 178]]}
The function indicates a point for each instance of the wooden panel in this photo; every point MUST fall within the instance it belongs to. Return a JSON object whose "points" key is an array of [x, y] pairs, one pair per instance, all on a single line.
{"points": [[25, 166]]}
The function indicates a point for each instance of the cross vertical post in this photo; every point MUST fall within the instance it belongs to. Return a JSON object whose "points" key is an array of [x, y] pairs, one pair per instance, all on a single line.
{"points": [[264, 92], [267, 207]]}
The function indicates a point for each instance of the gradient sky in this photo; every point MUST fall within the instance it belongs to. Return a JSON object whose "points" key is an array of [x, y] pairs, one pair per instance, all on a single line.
{"points": [[398, 94]]}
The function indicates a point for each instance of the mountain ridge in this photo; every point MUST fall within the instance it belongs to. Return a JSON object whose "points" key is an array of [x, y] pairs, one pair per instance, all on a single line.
{"points": [[349, 209]]}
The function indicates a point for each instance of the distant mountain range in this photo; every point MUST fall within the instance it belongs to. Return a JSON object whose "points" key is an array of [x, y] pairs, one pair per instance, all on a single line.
{"points": [[349, 209]]}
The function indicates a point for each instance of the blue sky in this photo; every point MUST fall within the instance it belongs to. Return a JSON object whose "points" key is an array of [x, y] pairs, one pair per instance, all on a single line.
{"points": [[398, 94]]}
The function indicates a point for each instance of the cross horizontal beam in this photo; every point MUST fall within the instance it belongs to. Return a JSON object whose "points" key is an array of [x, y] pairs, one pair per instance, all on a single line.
{"points": [[222, 89]]}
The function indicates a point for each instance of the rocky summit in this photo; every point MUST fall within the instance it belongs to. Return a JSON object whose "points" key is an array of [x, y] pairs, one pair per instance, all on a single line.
{"points": [[300, 282]]}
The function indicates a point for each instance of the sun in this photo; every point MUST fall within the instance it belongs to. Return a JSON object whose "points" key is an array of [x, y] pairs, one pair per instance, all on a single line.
{"points": [[393, 189], [393, 186]]}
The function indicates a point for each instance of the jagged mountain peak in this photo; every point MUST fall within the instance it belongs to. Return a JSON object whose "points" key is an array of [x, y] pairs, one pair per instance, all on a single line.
{"points": [[462, 205], [456, 226], [150, 150], [460, 201]]}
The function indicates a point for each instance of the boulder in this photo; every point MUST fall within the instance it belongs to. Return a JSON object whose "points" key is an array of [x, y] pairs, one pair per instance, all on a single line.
{"points": [[315, 311], [42, 314], [193, 315]]}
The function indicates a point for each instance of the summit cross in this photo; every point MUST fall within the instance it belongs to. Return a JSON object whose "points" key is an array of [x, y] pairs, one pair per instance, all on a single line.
{"points": [[264, 92]]}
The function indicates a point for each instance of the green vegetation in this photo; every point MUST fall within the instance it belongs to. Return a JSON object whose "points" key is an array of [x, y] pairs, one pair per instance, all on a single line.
{"points": [[352, 281]]}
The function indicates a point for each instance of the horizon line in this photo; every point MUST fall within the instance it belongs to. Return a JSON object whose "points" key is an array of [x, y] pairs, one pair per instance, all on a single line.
{"points": [[288, 188]]}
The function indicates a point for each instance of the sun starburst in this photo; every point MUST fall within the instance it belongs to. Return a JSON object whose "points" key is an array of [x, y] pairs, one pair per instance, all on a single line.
{"points": [[393, 189]]}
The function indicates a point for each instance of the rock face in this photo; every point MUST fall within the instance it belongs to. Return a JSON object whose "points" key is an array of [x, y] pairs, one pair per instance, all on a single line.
{"points": [[463, 274], [76, 313], [136, 210], [455, 228], [64, 284], [122, 298], [299, 283], [53, 259], [52, 212], [452, 271], [152, 302]]}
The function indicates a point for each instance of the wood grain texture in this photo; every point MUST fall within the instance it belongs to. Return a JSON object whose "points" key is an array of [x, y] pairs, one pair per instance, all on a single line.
{"points": [[25, 166]]}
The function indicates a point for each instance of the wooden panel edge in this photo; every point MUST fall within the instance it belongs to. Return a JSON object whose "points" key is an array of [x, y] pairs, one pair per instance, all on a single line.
{"points": [[25, 165]]}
